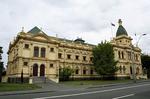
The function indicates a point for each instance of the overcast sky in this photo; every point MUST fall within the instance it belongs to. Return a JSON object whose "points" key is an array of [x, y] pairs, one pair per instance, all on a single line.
{"points": [[88, 19]]}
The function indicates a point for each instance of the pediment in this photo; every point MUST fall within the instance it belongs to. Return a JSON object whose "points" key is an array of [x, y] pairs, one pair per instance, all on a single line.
{"points": [[40, 37]]}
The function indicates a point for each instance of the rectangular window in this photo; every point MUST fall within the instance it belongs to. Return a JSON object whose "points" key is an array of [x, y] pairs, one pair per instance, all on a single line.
{"points": [[26, 46], [77, 57], [129, 55], [51, 49], [68, 56], [119, 54], [122, 55], [91, 59], [51, 65], [25, 63], [136, 57], [84, 58], [59, 55], [43, 51], [36, 51]]}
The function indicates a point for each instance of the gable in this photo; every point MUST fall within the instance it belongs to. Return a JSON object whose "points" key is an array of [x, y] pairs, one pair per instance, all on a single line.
{"points": [[40, 37]]}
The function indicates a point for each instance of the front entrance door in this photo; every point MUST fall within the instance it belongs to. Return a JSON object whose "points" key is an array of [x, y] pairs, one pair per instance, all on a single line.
{"points": [[42, 70], [35, 70]]}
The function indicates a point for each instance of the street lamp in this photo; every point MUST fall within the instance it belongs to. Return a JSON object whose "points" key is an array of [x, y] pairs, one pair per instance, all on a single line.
{"points": [[139, 39], [132, 54]]}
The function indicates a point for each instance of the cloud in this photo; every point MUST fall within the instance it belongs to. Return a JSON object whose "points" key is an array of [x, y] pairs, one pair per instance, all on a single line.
{"points": [[89, 19]]}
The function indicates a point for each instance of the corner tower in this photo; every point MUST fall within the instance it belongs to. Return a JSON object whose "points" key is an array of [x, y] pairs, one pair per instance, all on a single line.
{"points": [[124, 50], [122, 37]]}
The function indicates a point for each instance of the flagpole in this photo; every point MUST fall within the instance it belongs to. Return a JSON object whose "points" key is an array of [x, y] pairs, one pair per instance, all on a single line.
{"points": [[111, 24], [111, 31]]}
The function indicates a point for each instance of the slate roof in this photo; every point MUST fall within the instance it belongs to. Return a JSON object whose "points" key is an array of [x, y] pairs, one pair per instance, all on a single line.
{"points": [[121, 30], [34, 30]]}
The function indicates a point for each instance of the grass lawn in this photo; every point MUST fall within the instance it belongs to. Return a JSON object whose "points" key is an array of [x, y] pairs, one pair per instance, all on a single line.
{"points": [[93, 82], [16, 87]]}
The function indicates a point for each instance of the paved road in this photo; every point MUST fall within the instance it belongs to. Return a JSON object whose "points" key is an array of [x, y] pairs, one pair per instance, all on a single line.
{"points": [[130, 91]]}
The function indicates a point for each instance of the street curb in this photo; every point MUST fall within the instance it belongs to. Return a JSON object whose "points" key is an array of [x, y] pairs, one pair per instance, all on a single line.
{"points": [[21, 93], [116, 84], [108, 85]]}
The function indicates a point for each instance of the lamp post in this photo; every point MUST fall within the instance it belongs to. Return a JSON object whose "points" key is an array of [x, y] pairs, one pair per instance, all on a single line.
{"points": [[133, 66], [139, 39], [132, 57]]}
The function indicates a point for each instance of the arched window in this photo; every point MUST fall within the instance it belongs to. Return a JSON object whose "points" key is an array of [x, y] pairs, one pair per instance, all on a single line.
{"points": [[137, 70], [91, 71], [124, 69], [131, 69], [77, 70], [84, 70], [43, 51], [120, 69], [35, 69], [42, 70], [36, 52]]}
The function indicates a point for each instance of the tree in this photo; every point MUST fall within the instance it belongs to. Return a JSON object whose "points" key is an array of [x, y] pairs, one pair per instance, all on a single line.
{"points": [[103, 59], [1, 70], [65, 73], [1, 64], [145, 59]]}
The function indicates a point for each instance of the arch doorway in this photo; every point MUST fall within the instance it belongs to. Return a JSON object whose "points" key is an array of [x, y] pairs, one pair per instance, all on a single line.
{"points": [[35, 70], [42, 70]]}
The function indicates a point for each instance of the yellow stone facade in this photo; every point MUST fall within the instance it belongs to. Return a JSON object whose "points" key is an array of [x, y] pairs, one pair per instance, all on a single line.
{"points": [[36, 54], [124, 51], [58, 54]]}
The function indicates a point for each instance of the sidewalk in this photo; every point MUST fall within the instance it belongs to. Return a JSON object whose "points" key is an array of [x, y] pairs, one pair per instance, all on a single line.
{"points": [[47, 87]]}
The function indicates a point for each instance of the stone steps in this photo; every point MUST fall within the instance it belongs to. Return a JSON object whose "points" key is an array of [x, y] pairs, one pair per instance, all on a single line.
{"points": [[42, 80]]}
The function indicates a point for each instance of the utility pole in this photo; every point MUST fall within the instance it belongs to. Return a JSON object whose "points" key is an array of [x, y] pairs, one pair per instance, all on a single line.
{"points": [[133, 66]]}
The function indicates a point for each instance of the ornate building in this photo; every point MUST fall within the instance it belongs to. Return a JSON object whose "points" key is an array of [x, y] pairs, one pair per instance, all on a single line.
{"points": [[37, 55], [127, 55]]}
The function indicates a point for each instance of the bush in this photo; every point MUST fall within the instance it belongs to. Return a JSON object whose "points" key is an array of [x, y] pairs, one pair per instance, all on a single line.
{"points": [[65, 73]]}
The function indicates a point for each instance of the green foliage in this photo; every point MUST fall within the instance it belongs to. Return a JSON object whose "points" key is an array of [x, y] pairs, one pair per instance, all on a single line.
{"points": [[17, 87], [65, 73], [145, 59], [103, 59], [1, 70], [1, 66], [1, 51]]}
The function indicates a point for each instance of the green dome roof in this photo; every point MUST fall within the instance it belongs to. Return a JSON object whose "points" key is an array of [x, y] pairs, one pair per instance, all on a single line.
{"points": [[121, 30]]}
